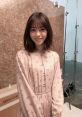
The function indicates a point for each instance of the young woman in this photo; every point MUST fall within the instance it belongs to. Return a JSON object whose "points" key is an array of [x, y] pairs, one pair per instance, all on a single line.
{"points": [[39, 78]]}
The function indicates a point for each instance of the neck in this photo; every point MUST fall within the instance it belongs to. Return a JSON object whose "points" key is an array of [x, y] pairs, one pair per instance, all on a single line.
{"points": [[39, 48]]}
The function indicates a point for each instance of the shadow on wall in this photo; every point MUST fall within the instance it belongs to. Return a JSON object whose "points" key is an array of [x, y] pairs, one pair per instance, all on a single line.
{"points": [[13, 18]]}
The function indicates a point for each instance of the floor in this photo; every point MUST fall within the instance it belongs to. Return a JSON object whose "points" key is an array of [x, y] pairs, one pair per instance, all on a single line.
{"points": [[73, 112], [73, 73]]}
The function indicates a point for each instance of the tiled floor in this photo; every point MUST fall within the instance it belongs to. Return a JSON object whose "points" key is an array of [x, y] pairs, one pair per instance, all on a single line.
{"points": [[73, 73]]}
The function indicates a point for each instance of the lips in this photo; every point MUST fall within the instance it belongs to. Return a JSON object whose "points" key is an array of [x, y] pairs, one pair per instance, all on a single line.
{"points": [[39, 39]]}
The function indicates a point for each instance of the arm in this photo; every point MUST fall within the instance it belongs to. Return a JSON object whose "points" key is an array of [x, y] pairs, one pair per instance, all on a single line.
{"points": [[29, 102], [57, 91]]}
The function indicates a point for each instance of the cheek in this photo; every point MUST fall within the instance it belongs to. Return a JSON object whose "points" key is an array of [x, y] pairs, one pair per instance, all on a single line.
{"points": [[31, 35], [45, 34]]}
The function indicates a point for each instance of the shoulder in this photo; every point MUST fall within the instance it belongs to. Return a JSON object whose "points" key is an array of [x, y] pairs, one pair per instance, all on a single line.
{"points": [[21, 54], [55, 54]]}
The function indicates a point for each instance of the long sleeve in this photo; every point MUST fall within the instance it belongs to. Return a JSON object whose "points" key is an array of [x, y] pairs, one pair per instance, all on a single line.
{"points": [[29, 102], [57, 91]]}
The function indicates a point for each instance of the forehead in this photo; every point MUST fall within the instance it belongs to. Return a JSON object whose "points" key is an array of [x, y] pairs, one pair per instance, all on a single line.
{"points": [[37, 23], [36, 26]]}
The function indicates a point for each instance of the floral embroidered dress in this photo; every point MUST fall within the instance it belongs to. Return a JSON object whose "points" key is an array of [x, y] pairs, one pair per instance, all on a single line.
{"points": [[39, 84]]}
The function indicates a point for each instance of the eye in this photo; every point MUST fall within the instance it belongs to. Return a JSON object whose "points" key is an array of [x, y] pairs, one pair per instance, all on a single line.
{"points": [[43, 29], [32, 29]]}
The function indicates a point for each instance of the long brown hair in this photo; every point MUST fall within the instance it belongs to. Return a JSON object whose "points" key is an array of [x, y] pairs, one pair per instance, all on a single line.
{"points": [[40, 19]]}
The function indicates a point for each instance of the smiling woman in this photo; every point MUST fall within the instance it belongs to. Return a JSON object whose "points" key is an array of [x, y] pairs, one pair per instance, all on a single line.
{"points": [[13, 17], [39, 79]]}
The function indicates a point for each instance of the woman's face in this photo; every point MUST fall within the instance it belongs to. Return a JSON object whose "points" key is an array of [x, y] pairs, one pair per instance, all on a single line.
{"points": [[38, 35]]}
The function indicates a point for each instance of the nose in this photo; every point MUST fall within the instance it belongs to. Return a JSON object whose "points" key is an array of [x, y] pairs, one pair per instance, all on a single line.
{"points": [[38, 33]]}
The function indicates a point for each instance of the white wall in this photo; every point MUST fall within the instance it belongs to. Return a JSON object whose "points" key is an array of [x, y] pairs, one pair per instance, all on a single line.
{"points": [[61, 2], [70, 29], [74, 7], [74, 10], [79, 34]]}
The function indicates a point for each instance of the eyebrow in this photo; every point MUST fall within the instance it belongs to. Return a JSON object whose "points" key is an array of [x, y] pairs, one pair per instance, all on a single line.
{"points": [[38, 27], [33, 27]]}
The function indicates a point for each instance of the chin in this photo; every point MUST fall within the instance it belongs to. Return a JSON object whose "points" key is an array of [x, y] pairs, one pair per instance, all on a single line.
{"points": [[39, 44]]}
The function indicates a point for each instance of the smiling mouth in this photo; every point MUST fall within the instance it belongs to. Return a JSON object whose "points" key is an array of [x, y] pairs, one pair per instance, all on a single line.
{"points": [[39, 39]]}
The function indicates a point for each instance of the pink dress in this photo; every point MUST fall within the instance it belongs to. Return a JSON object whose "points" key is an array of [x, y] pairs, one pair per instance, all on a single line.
{"points": [[39, 84]]}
